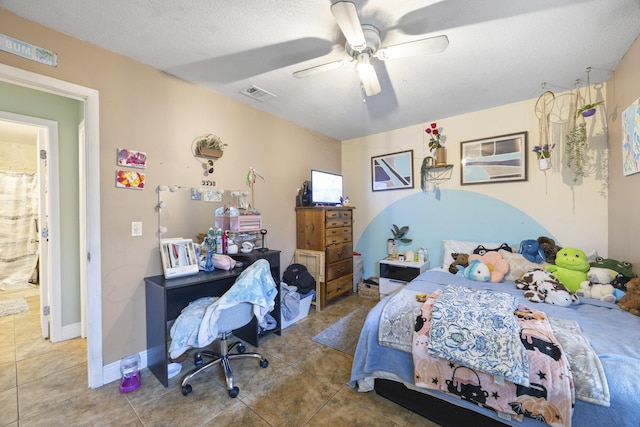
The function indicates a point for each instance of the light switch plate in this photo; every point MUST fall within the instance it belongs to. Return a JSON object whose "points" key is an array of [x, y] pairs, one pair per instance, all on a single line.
{"points": [[136, 228]]}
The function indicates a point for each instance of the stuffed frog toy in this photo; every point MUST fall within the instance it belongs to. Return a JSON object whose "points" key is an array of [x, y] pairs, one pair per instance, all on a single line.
{"points": [[571, 268]]}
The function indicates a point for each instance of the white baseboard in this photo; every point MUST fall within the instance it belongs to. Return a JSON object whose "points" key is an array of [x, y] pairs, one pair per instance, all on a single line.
{"points": [[70, 331], [111, 372]]}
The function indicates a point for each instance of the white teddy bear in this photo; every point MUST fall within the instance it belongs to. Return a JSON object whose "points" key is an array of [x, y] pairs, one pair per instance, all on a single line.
{"points": [[597, 291]]}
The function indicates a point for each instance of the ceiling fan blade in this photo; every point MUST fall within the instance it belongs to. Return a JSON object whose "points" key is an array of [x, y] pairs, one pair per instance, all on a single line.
{"points": [[368, 76], [319, 68], [347, 18], [414, 48]]}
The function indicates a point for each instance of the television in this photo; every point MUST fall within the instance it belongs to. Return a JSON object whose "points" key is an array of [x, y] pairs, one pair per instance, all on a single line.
{"points": [[326, 188]]}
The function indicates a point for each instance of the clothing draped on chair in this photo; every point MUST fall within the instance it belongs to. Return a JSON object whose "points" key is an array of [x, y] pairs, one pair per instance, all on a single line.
{"points": [[252, 294], [197, 327]]}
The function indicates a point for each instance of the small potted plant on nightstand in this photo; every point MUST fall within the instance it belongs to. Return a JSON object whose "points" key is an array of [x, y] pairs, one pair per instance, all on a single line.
{"points": [[210, 145], [398, 234]]}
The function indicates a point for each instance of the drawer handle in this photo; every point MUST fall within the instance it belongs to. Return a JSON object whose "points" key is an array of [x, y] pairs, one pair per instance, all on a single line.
{"points": [[341, 270]]}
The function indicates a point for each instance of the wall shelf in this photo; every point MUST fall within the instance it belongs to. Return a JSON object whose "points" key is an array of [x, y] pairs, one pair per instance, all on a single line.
{"points": [[438, 174]]}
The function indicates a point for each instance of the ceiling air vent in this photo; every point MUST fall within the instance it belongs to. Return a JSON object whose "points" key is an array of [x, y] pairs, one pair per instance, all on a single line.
{"points": [[258, 94]]}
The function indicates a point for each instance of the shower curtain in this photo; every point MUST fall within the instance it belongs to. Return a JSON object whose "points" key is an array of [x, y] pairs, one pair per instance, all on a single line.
{"points": [[18, 229]]}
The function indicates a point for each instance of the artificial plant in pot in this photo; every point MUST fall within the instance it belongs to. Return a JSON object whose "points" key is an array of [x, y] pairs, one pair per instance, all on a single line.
{"points": [[210, 145], [399, 234]]}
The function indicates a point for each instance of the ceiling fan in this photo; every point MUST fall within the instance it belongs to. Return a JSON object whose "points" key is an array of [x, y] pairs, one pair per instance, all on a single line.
{"points": [[363, 42]]}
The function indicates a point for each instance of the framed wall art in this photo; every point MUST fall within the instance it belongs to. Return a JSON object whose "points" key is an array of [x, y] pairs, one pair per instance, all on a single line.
{"points": [[392, 171], [631, 139], [497, 159]]}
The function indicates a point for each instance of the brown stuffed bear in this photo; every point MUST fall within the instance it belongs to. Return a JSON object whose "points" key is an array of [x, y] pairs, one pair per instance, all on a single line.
{"points": [[549, 247], [631, 300], [458, 259]]}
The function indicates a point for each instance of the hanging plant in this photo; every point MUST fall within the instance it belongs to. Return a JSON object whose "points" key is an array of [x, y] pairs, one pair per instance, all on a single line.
{"points": [[427, 163], [588, 110], [576, 145]]}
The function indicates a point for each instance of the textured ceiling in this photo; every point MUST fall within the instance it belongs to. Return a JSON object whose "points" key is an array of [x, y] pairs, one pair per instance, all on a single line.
{"points": [[500, 51]]}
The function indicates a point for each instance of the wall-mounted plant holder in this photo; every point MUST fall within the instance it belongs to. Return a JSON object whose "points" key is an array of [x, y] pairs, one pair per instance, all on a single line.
{"points": [[210, 152], [209, 145]]}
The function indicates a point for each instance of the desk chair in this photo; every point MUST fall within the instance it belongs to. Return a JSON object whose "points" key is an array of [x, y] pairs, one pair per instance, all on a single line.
{"points": [[230, 318]]}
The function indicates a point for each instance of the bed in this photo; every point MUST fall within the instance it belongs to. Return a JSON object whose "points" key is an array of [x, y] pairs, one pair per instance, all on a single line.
{"points": [[613, 335]]}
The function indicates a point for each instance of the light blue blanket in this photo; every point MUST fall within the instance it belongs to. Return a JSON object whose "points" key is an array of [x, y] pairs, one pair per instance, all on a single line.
{"points": [[255, 285], [613, 333]]}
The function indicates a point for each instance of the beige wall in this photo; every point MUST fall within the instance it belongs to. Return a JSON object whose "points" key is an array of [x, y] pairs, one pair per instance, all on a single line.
{"points": [[624, 191], [18, 157], [575, 213], [146, 110]]}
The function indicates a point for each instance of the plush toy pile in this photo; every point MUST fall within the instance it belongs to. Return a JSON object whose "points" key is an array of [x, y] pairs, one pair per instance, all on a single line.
{"points": [[550, 273]]}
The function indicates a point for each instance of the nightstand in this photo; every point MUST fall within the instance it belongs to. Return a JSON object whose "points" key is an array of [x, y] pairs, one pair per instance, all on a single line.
{"points": [[396, 274]]}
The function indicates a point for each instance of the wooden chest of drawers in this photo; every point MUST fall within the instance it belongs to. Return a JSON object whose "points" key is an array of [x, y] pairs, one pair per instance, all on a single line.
{"points": [[329, 229]]}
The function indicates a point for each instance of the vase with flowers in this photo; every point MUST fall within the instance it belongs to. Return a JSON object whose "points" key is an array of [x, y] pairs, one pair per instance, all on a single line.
{"points": [[436, 144], [543, 152]]}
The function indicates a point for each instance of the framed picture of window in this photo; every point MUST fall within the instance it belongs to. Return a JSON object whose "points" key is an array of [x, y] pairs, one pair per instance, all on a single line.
{"points": [[497, 159], [392, 171]]}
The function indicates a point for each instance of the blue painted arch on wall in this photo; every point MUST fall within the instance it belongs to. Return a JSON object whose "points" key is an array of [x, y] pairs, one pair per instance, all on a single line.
{"points": [[455, 215]]}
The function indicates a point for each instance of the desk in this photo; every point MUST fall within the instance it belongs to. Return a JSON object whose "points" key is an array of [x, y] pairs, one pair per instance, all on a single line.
{"points": [[165, 299]]}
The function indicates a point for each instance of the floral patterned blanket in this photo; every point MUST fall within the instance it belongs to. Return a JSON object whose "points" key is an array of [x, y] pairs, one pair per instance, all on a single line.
{"points": [[550, 395]]}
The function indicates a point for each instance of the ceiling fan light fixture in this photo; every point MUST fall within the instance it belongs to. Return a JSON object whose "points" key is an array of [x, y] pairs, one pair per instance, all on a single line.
{"points": [[367, 75]]}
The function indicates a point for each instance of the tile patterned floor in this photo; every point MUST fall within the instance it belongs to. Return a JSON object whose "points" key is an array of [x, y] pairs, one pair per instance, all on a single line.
{"points": [[45, 384]]}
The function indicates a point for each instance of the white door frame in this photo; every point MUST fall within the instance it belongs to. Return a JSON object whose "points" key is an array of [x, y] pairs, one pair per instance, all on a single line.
{"points": [[89, 201], [50, 278]]}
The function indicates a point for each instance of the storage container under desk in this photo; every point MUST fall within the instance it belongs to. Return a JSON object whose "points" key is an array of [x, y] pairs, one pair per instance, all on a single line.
{"points": [[395, 274]]}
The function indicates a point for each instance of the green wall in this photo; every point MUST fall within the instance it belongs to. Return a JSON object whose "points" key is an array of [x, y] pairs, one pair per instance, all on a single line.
{"points": [[68, 113]]}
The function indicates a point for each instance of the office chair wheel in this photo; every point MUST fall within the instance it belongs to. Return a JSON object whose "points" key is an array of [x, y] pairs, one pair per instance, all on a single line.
{"points": [[197, 359], [241, 348], [233, 393], [186, 389], [264, 363]]}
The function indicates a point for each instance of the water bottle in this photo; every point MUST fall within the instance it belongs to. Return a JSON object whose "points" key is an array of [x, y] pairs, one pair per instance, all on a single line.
{"points": [[421, 256], [219, 241], [130, 369]]}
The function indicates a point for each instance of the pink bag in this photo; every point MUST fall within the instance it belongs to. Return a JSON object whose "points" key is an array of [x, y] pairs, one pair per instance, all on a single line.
{"points": [[223, 262]]}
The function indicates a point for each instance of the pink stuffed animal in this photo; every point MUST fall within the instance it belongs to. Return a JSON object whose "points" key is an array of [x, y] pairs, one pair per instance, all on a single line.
{"points": [[497, 265]]}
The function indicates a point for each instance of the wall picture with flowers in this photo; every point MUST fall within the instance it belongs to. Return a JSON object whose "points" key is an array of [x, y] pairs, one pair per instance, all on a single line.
{"points": [[497, 159]]}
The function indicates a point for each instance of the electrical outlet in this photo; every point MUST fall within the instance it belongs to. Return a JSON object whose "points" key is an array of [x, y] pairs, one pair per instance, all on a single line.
{"points": [[136, 228]]}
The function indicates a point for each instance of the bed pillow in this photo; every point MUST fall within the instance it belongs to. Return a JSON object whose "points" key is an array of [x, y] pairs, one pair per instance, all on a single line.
{"points": [[461, 247], [518, 265]]}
